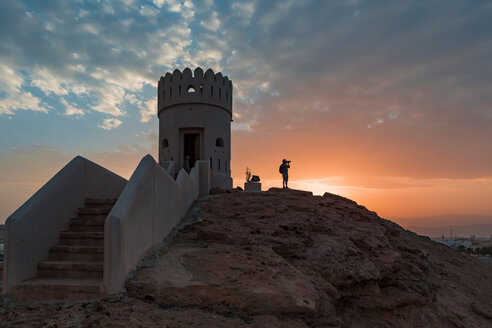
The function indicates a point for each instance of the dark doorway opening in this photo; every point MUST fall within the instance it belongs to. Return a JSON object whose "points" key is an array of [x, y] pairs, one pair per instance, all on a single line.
{"points": [[191, 148]]}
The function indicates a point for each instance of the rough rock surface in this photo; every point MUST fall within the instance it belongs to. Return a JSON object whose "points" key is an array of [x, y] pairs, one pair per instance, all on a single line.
{"points": [[285, 258]]}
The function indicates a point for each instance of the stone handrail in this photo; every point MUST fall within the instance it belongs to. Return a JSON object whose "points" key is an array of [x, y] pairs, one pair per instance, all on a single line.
{"points": [[35, 226], [149, 207]]}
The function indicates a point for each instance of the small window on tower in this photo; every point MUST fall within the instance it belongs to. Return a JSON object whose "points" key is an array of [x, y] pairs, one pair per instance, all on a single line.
{"points": [[191, 89], [165, 143], [219, 142]]}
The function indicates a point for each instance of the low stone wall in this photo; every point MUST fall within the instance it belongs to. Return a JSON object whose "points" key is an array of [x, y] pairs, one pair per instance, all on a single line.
{"points": [[35, 226], [149, 207]]}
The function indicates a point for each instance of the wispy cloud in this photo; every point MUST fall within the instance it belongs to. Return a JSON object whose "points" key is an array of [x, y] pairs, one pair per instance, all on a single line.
{"points": [[110, 124], [71, 110], [12, 96]]}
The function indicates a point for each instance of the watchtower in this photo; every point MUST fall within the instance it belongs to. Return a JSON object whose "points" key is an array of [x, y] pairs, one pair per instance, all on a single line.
{"points": [[195, 114]]}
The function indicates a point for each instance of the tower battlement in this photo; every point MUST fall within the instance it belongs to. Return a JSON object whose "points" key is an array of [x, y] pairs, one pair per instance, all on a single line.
{"points": [[199, 88]]}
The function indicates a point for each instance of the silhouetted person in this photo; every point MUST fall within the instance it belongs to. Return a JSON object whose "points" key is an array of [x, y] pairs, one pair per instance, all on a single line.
{"points": [[284, 169]]}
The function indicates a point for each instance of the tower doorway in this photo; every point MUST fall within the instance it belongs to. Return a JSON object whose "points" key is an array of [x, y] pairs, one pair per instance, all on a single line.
{"points": [[191, 147]]}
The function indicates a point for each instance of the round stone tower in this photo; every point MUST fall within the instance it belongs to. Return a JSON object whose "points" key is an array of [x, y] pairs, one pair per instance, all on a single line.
{"points": [[195, 114]]}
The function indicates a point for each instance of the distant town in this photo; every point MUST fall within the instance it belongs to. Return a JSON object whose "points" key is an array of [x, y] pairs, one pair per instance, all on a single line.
{"points": [[479, 247]]}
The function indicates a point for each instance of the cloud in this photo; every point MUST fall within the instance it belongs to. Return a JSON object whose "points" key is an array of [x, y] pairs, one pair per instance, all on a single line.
{"points": [[71, 110], [43, 79], [212, 22], [184, 8], [12, 97], [111, 98], [244, 10], [100, 59], [148, 11], [110, 123], [148, 110]]}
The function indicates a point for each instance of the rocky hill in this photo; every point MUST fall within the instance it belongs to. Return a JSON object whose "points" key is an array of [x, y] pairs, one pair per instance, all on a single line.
{"points": [[285, 258]]}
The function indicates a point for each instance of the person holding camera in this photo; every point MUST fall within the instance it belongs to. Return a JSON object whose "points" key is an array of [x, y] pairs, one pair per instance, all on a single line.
{"points": [[284, 169]]}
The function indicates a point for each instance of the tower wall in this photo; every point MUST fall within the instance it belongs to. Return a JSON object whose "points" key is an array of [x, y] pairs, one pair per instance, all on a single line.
{"points": [[196, 123]]}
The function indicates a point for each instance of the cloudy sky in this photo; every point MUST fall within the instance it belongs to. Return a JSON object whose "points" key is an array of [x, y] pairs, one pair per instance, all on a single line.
{"points": [[386, 102]]}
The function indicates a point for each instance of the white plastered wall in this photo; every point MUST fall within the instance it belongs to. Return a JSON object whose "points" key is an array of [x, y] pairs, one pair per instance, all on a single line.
{"points": [[150, 206], [35, 226]]}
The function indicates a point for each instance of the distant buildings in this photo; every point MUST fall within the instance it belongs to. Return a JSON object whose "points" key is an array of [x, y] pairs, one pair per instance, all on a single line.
{"points": [[472, 245], [455, 242]]}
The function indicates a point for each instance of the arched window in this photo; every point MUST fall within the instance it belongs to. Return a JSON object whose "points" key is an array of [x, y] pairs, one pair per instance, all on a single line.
{"points": [[219, 142], [220, 93], [165, 143], [191, 89], [211, 90], [179, 89]]}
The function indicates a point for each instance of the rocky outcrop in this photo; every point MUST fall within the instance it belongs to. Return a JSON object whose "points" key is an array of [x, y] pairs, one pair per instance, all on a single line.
{"points": [[285, 258], [325, 261]]}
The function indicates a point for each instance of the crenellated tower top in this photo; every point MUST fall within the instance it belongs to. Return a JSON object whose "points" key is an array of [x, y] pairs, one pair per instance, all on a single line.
{"points": [[199, 88]]}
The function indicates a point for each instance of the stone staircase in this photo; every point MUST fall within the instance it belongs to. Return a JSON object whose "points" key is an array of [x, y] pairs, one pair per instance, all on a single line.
{"points": [[74, 269]]}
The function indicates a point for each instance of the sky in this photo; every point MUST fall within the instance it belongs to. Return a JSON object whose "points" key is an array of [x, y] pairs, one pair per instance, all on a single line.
{"points": [[388, 103]]}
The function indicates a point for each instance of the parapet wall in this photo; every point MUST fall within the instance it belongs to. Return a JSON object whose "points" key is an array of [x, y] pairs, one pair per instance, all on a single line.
{"points": [[149, 207], [198, 88]]}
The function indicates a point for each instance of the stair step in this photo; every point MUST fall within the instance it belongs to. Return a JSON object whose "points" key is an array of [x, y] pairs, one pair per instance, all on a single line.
{"points": [[81, 226], [70, 270], [100, 201], [82, 234], [93, 211], [82, 238], [58, 289], [81, 242], [88, 221], [76, 253]]}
